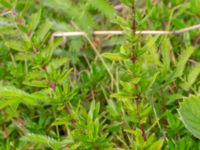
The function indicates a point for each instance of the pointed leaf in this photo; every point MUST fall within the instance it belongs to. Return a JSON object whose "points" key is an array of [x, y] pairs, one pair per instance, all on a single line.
{"points": [[35, 83], [34, 20], [43, 30], [115, 56]]}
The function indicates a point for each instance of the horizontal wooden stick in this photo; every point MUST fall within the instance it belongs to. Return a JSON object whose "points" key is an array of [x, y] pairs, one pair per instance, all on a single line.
{"points": [[119, 32], [81, 33]]}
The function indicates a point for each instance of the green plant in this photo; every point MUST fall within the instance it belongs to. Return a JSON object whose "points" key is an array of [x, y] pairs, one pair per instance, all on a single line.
{"points": [[98, 92]]}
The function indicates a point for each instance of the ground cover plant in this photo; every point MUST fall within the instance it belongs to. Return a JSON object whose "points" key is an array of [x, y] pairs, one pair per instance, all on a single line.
{"points": [[127, 92]]}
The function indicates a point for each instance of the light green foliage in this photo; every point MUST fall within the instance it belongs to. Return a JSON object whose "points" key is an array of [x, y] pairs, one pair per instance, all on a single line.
{"points": [[182, 60], [104, 7], [189, 112], [165, 51], [16, 45], [34, 21], [98, 92], [13, 95], [193, 75], [42, 141], [43, 30], [114, 57]]}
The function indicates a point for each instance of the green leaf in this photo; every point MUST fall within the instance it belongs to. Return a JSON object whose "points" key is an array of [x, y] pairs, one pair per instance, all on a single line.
{"points": [[156, 145], [190, 114], [34, 75], [104, 7], [165, 51], [26, 7], [36, 83], [64, 76], [194, 73], [82, 17], [149, 51], [16, 45], [42, 140], [60, 121], [34, 20], [182, 60], [5, 4], [52, 45], [43, 30], [153, 79], [121, 96], [8, 102], [24, 56], [57, 63], [115, 57], [22, 28], [17, 95], [112, 108], [194, 6]]}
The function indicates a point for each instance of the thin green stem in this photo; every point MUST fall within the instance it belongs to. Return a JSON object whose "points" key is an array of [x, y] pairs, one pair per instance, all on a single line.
{"points": [[100, 57]]}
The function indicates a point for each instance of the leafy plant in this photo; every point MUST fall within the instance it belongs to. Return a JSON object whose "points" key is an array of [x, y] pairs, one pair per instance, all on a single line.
{"points": [[189, 113], [98, 92]]}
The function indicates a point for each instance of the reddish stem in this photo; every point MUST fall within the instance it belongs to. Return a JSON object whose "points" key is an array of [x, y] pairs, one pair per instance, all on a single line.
{"points": [[143, 132]]}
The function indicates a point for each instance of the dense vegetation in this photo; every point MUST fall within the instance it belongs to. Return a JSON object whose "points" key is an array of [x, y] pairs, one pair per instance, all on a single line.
{"points": [[138, 92]]}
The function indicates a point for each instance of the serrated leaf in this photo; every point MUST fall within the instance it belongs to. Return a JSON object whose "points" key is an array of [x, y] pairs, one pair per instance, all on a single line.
{"points": [[84, 19], [149, 51], [190, 114], [194, 73], [34, 20], [165, 51], [182, 60], [42, 140], [104, 7], [18, 95]]}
